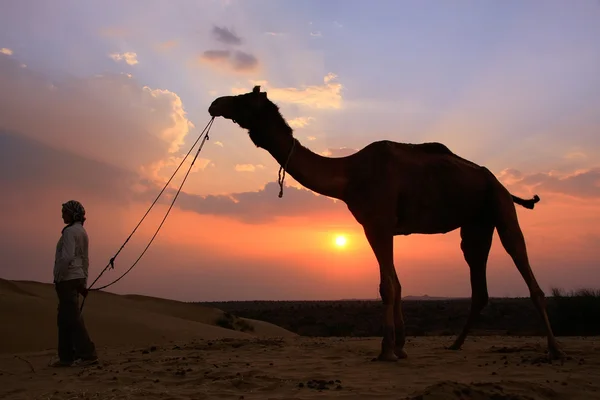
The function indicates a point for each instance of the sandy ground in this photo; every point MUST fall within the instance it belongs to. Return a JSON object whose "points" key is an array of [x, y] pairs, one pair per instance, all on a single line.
{"points": [[497, 368], [160, 349]]}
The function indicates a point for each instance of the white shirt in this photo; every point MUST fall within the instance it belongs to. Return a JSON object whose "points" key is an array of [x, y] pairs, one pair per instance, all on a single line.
{"points": [[71, 260]]}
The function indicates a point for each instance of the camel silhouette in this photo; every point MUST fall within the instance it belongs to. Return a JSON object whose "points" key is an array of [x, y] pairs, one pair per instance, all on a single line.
{"points": [[396, 188]]}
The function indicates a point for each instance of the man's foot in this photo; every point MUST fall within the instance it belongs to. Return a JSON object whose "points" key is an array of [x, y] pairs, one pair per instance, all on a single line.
{"points": [[57, 363], [83, 362], [401, 353]]}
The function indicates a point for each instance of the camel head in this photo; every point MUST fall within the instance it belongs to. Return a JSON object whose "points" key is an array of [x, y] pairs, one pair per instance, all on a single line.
{"points": [[246, 110], [254, 112]]}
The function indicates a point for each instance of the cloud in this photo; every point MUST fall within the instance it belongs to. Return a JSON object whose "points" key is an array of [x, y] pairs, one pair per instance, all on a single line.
{"points": [[236, 61], [109, 118], [325, 96], [129, 57], [215, 55], [31, 168], [274, 33], [114, 32], [162, 170], [168, 45], [311, 138], [583, 184], [248, 167], [576, 155], [262, 206], [28, 166], [6, 51], [226, 36], [244, 61], [338, 152], [316, 34], [218, 143], [300, 122]]}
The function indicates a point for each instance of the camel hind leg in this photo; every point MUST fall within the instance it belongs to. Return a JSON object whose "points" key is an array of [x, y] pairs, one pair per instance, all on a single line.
{"points": [[475, 245], [511, 237]]}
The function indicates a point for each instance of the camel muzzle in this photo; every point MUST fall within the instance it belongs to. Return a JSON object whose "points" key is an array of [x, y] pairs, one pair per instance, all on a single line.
{"points": [[221, 107]]}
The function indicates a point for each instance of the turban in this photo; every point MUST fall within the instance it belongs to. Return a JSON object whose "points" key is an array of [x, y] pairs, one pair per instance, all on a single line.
{"points": [[75, 210]]}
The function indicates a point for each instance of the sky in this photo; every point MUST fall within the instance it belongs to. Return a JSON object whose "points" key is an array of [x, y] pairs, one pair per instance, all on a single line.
{"points": [[100, 100]]}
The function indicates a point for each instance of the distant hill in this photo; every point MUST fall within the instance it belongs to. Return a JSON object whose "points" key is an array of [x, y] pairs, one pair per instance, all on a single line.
{"points": [[426, 297]]}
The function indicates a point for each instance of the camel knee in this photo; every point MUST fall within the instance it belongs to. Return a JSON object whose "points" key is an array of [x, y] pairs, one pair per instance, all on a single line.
{"points": [[537, 295]]}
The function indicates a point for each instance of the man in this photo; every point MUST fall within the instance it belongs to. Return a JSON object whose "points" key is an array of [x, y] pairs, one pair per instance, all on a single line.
{"points": [[70, 280]]}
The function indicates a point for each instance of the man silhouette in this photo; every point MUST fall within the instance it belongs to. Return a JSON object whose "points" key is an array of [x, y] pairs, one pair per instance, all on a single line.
{"points": [[70, 280]]}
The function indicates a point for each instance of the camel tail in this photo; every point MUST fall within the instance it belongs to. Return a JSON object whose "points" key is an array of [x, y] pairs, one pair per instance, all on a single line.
{"points": [[527, 203]]}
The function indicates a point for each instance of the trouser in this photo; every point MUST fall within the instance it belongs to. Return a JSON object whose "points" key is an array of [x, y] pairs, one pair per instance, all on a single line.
{"points": [[73, 339]]}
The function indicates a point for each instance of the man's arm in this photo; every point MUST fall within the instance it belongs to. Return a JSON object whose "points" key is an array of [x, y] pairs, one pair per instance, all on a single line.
{"points": [[67, 253]]}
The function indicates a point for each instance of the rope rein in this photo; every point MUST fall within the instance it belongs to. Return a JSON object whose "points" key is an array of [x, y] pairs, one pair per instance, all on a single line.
{"points": [[111, 263], [282, 177]]}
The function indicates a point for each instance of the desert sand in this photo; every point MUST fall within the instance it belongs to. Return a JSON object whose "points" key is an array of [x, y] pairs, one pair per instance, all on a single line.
{"points": [[160, 349]]}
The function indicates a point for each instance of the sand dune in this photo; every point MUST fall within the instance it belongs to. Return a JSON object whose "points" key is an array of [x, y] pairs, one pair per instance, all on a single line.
{"points": [[28, 315], [160, 349]]}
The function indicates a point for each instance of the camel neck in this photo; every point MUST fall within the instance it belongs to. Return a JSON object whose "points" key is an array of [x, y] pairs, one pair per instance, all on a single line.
{"points": [[320, 174]]}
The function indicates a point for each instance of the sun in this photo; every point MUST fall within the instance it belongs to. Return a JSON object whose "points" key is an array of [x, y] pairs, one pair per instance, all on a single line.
{"points": [[341, 241]]}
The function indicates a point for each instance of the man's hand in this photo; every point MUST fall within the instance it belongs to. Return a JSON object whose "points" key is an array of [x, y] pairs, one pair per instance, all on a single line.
{"points": [[83, 291]]}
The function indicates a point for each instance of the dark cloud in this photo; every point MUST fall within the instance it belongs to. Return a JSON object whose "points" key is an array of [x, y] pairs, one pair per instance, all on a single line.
{"points": [[226, 36], [29, 166], [261, 206], [583, 184], [216, 55], [244, 61], [237, 61]]}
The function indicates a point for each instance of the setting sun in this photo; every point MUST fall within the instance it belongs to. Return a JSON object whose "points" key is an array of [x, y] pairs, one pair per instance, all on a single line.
{"points": [[340, 241]]}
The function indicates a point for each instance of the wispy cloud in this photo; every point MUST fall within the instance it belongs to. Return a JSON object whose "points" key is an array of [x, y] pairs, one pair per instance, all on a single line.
{"points": [[248, 167], [6, 51], [129, 57], [338, 152], [327, 95], [582, 183], [114, 32], [168, 45], [300, 122]]}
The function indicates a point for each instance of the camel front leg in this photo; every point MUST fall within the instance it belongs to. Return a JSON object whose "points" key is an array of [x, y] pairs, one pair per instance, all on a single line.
{"points": [[382, 244]]}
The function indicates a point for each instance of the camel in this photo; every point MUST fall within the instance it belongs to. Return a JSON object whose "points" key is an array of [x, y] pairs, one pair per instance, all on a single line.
{"points": [[394, 188]]}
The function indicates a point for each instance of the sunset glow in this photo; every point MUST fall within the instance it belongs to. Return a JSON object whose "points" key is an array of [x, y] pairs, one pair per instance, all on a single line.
{"points": [[105, 114]]}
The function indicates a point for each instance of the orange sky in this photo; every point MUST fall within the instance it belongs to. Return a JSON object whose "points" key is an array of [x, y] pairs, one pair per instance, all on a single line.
{"points": [[105, 114]]}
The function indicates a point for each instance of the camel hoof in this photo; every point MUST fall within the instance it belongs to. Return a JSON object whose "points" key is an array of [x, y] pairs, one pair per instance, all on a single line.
{"points": [[388, 357], [454, 346], [401, 354]]}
